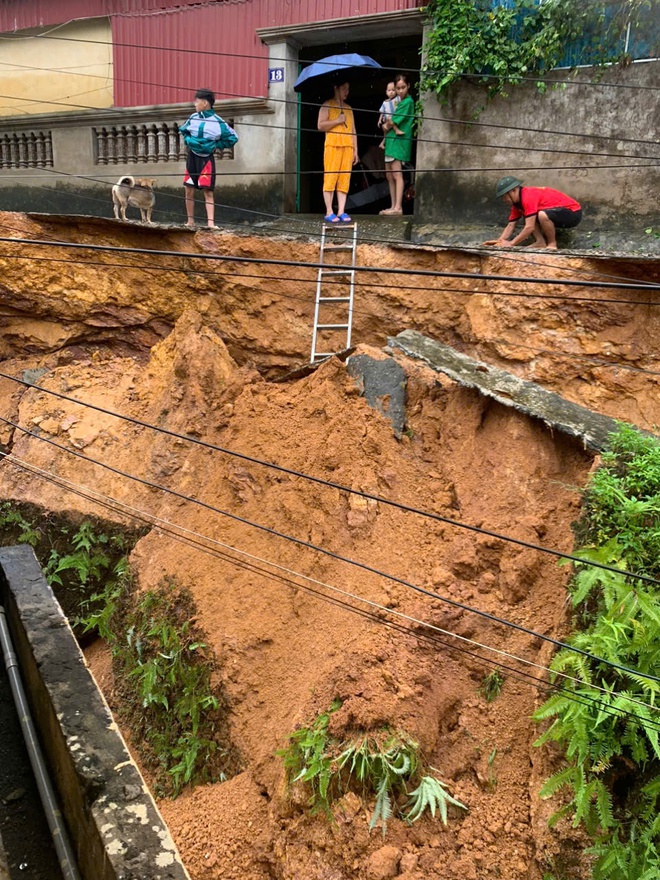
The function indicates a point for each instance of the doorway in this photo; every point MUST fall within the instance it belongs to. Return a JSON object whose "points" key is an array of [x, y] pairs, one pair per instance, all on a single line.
{"points": [[366, 95]]}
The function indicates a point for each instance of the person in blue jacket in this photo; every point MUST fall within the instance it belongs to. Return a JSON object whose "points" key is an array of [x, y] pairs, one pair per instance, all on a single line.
{"points": [[203, 133]]}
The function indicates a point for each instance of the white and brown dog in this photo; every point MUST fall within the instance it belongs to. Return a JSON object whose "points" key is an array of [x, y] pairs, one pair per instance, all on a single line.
{"points": [[139, 193]]}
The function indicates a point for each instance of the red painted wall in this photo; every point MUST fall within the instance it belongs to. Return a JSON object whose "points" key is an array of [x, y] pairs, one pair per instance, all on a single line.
{"points": [[163, 51], [214, 46]]}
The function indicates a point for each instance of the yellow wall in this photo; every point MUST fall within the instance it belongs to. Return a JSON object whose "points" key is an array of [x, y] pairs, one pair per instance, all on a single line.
{"points": [[40, 75]]}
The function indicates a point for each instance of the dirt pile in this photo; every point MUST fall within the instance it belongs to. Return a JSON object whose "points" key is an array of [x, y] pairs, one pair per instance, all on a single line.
{"points": [[193, 355]]}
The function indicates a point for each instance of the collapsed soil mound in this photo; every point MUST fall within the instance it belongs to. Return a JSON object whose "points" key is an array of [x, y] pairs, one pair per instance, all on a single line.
{"points": [[186, 362]]}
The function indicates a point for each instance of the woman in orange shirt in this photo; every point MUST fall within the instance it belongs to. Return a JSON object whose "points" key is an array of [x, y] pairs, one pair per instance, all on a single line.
{"points": [[340, 153]]}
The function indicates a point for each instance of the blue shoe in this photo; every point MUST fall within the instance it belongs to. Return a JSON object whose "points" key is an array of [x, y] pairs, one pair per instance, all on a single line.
{"points": [[344, 218], [331, 218]]}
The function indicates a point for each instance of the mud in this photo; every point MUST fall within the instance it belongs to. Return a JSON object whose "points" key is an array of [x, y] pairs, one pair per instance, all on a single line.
{"points": [[196, 354]]}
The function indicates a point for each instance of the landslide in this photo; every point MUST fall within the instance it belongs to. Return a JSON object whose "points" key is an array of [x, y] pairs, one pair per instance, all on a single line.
{"points": [[197, 354]]}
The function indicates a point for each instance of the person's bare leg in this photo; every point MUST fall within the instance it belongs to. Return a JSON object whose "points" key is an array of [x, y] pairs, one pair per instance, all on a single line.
{"points": [[341, 202], [209, 204], [190, 205], [327, 198], [395, 181], [548, 229], [397, 207], [390, 182]]}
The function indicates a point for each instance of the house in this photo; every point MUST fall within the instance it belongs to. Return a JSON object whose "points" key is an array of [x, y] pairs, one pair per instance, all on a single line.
{"points": [[94, 89]]}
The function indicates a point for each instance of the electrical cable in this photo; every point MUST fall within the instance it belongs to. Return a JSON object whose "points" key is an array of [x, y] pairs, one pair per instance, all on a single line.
{"points": [[388, 502], [361, 565], [265, 58], [384, 270], [510, 294], [599, 362], [250, 562], [654, 160], [477, 250], [555, 353], [298, 102]]}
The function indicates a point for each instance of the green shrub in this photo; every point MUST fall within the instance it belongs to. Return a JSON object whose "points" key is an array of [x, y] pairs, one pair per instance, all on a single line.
{"points": [[163, 668], [81, 560], [611, 736], [380, 764]]}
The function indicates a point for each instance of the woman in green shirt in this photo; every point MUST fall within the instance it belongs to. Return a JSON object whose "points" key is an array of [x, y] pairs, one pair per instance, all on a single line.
{"points": [[398, 143]]}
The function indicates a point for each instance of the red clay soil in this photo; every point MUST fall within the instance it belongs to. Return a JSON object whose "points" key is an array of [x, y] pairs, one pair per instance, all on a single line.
{"points": [[284, 653]]}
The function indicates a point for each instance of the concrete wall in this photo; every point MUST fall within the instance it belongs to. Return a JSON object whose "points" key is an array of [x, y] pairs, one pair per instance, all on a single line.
{"points": [[66, 74], [250, 184], [600, 117], [115, 828]]}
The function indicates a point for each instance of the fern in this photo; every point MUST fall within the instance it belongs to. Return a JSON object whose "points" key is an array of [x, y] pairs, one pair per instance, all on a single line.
{"points": [[431, 794], [611, 738], [382, 765]]}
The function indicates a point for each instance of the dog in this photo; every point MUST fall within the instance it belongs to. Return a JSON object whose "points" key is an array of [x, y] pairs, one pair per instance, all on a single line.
{"points": [[139, 193]]}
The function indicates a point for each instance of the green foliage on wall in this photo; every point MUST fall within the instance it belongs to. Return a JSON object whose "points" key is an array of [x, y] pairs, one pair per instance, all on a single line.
{"points": [[611, 736], [504, 43]]}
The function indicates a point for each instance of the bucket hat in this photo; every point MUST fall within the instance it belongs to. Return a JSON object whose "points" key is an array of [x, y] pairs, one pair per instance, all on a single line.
{"points": [[505, 185]]}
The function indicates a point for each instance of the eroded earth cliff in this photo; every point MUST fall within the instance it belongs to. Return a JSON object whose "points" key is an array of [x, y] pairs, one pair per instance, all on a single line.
{"points": [[204, 348]]}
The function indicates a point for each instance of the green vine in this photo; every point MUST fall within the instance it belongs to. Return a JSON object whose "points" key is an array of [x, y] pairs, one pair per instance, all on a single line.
{"points": [[611, 736], [505, 42]]}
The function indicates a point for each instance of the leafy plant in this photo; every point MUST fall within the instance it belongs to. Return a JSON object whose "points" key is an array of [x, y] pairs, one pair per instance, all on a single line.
{"points": [[431, 794], [380, 765], [611, 736], [491, 685], [164, 671], [80, 560], [13, 519], [505, 42]]}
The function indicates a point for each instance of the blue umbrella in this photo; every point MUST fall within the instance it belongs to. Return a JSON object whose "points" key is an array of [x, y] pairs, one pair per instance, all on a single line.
{"points": [[331, 64]]}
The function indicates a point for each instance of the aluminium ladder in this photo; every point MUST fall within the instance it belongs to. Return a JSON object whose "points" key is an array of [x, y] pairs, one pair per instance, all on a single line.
{"points": [[335, 288]]}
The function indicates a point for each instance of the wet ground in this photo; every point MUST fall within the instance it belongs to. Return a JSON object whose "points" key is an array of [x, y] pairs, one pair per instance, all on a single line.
{"points": [[26, 848]]}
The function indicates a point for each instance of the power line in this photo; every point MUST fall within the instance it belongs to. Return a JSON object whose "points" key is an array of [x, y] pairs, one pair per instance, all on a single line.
{"points": [[592, 359], [357, 311], [451, 143], [384, 270], [312, 281], [502, 254], [251, 563], [299, 101], [265, 58], [337, 556]]}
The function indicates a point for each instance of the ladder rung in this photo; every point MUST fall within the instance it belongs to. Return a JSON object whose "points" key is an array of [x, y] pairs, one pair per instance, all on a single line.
{"points": [[334, 299], [336, 271], [339, 247], [331, 326], [324, 354]]}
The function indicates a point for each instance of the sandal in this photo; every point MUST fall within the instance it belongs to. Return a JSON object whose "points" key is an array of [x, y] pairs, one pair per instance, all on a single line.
{"points": [[344, 218], [331, 218]]}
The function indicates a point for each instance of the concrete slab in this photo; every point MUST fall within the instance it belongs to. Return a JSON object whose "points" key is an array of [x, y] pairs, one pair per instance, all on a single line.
{"points": [[382, 383], [592, 428]]}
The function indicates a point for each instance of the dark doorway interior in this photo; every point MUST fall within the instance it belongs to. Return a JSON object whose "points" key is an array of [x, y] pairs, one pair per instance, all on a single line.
{"points": [[366, 95]]}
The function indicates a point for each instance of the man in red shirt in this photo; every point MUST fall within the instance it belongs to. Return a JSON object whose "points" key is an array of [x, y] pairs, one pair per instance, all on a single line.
{"points": [[543, 210]]}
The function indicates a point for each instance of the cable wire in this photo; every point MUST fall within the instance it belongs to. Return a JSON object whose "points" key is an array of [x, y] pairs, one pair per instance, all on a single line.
{"points": [[268, 59], [419, 139], [300, 102], [362, 565], [384, 270], [388, 502], [250, 562]]}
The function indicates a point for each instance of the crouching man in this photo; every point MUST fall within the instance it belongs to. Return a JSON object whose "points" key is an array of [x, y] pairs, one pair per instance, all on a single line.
{"points": [[544, 210]]}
